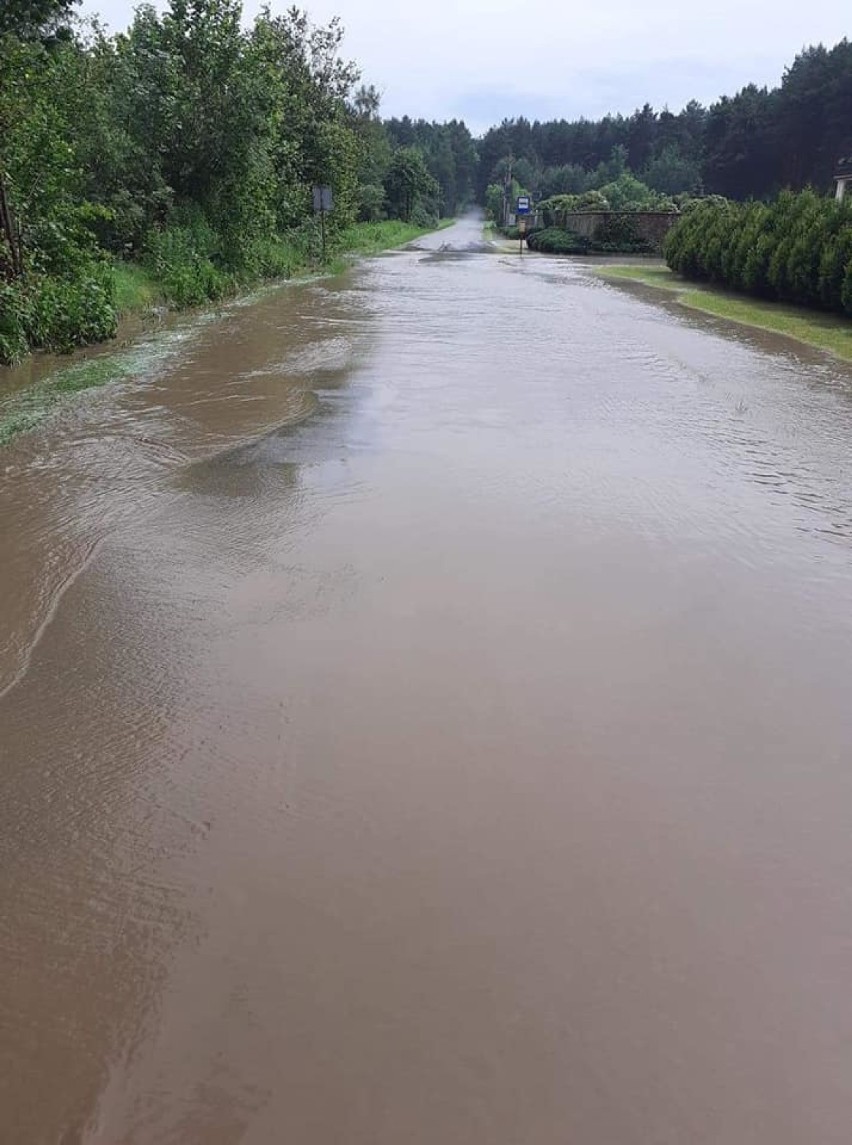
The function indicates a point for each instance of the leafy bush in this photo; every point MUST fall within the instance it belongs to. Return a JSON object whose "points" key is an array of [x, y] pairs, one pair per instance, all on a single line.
{"points": [[14, 313], [514, 233], [371, 202], [554, 240], [56, 313], [180, 258], [69, 312], [619, 234], [560, 205], [627, 193], [423, 218]]}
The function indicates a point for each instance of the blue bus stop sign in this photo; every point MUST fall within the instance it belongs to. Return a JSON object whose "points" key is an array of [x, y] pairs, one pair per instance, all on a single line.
{"points": [[523, 207]]}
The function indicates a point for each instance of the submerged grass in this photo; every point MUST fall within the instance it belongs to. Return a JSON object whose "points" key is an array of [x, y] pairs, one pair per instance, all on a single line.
{"points": [[136, 291], [24, 410], [823, 331]]}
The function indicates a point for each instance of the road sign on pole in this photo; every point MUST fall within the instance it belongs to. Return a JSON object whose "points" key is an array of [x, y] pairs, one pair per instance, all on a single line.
{"points": [[524, 205], [323, 201]]}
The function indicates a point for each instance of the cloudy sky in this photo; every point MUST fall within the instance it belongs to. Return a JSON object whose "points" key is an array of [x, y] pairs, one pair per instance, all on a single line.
{"points": [[481, 60]]}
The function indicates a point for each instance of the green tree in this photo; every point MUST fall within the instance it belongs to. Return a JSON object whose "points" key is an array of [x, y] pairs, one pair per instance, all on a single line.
{"points": [[408, 181], [34, 19], [672, 172]]}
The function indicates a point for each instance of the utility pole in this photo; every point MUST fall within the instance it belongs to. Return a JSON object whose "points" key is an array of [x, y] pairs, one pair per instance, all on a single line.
{"points": [[507, 190]]}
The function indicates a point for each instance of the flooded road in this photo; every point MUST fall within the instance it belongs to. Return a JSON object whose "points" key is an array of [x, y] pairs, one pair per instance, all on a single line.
{"points": [[426, 719]]}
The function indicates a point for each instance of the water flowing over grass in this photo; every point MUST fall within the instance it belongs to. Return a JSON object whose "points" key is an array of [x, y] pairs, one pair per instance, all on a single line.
{"points": [[27, 408], [136, 290], [823, 331]]}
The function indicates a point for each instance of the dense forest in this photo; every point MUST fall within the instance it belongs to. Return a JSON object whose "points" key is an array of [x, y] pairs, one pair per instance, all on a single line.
{"points": [[178, 156], [750, 145]]}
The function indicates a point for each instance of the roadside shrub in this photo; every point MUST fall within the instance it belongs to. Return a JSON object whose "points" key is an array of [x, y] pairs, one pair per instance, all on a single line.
{"points": [[371, 202], [554, 240], [514, 233], [835, 257], [424, 218], [56, 313], [14, 313], [271, 258], [797, 249], [69, 312], [181, 259], [846, 293], [619, 234]]}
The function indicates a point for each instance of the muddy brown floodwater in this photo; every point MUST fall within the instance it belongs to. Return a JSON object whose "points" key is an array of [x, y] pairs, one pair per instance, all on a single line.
{"points": [[426, 718]]}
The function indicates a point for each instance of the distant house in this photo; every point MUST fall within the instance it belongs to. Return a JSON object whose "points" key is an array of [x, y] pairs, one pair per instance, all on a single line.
{"points": [[842, 176]]}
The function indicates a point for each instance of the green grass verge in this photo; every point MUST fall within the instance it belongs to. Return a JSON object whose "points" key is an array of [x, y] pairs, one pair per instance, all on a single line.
{"points": [[824, 331], [372, 238], [137, 291]]}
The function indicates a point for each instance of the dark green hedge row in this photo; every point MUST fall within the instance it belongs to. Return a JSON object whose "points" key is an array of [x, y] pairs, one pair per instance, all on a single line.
{"points": [[555, 240], [615, 235], [797, 249]]}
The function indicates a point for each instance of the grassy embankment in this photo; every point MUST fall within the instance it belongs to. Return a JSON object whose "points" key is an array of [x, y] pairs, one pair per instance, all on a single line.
{"points": [[824, 331], [138, 292]]}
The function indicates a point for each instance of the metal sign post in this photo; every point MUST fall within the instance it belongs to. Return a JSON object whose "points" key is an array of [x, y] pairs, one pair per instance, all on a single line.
{"points": [[323, 201], [522, 210]]}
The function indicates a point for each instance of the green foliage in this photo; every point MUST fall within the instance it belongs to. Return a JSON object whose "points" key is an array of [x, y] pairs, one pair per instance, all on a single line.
{"points": [[181, 259], [798, 249], [189, 143], [69, 312], [618, 234], [627, 193], [671, 172], [748, 145], [408, 182], [371, 202], [423, 218], [57, 313], [494, 202], [449, 155], [133, 288], [558, 205], [554, 240], [14, 321], [33, 19]]}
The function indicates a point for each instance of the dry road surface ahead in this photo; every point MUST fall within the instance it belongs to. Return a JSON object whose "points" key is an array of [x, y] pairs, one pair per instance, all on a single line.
{"points": [[426, 719]]}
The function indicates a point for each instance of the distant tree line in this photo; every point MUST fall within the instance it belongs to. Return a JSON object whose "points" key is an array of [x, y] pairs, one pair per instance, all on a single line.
{"points": [[750, 145]]}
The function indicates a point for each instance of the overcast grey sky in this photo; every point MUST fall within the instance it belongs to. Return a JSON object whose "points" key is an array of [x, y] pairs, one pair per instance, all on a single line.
{"points": [[481, 60]]}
